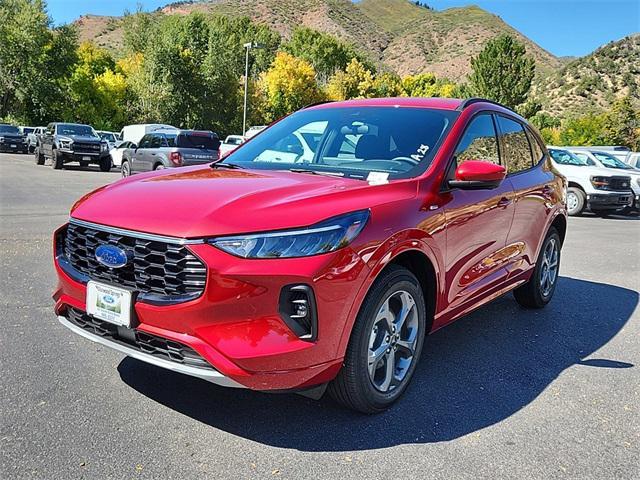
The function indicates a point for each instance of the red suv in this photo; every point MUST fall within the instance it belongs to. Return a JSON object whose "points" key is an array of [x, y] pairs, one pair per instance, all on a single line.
{"points": [[322, 251]]}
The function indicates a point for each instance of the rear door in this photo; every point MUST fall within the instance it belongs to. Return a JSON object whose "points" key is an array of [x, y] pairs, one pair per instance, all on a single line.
{"points": [[536, 191], [478, 222]]}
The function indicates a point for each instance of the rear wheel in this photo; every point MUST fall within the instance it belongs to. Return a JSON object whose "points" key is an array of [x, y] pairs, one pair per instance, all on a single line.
{"points": [[105, 164], [56, 160], [576, 200], [125, 168], [159, 167], [385, 345], [538, 291]]}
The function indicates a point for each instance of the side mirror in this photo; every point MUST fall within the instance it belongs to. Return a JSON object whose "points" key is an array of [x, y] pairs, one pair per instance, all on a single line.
{"points": [[478, 175]]}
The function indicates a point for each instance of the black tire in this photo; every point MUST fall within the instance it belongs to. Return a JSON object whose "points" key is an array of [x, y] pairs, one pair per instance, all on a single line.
{"points": [[575, 209], [354, 387], [533, 294], [39, 156], [125, 169], [105, 164], [159, 167], [56, 161]]}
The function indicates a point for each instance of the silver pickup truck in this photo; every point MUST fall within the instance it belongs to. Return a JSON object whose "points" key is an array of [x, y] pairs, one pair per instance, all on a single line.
{"points": [[168, 148]]}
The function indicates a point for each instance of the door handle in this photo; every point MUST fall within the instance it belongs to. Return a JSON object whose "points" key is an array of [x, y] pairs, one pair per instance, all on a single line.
{"points": [[504, 202]]}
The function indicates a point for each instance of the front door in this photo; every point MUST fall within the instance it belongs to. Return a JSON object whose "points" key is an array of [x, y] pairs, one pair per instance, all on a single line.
{"points": [[478, 223]]}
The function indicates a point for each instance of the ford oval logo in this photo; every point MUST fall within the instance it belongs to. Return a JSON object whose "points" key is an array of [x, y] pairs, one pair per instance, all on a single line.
{"points": [[111, 256], [109, 299]]}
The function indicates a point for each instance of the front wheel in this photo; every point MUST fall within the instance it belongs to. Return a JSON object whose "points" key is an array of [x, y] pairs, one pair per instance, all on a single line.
{"points": [[57, 162], [385, 345], [105, 164], [538, 291], [576, 201], [39, 156], [125, 169]]}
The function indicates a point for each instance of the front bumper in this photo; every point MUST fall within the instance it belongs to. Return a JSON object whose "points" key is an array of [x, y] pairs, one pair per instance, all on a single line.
{"points": [[13, 146], [71, 156], [236, 324], [613, 201]]}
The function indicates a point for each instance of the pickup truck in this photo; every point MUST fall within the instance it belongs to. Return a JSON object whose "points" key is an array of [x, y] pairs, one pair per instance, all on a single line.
{"points": [[32, 138], [593, 188], [11, 139], [72, 142]]}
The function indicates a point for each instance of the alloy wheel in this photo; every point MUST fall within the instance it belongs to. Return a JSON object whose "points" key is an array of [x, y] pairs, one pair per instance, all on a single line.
{"points": [[549, 267], [392, 341], [572, 201]]}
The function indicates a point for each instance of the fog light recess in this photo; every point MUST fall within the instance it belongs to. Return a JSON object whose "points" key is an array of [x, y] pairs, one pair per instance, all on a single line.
{"points": [[298, 310]]}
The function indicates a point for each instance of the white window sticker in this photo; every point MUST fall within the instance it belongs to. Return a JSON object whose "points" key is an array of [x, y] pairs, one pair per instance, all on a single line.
{"points": [[378, 178]]}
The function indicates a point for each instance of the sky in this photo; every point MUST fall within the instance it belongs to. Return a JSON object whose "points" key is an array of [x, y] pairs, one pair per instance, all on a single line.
{"points": [[563, 27]]}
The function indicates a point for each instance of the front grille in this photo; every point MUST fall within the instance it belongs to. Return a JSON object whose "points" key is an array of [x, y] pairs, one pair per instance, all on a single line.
{"points": [[86, 147], [619, 184], [155, 267], [142, 341]]}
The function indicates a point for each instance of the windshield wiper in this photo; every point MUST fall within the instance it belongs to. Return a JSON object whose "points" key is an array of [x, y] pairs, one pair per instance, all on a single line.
{"points": [[316, 172], [230, 166]]}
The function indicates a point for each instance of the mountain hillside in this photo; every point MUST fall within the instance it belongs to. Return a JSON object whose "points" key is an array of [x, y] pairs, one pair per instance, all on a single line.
{"points": [[593, 82], [395, 33]]}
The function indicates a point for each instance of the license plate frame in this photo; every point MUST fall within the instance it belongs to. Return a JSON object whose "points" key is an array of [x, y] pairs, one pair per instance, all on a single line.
{"points": [[109, 303]]}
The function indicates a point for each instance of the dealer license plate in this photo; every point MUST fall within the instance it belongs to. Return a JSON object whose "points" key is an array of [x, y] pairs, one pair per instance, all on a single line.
{"points": [[86, 159], [109, 303]]}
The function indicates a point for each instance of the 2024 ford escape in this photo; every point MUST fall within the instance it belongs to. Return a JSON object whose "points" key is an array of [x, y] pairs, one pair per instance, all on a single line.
{"points": [[322, 251]]}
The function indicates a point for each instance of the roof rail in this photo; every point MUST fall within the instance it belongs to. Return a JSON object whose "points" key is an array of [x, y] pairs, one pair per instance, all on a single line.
{"points": [[472, 100]]}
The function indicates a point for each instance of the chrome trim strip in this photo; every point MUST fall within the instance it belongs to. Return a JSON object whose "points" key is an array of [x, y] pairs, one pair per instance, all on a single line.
{"points": [[133, 233], [212, 376]]}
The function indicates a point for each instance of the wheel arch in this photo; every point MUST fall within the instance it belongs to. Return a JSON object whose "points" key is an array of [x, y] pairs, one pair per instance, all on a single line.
{"points": [[571, 183]]}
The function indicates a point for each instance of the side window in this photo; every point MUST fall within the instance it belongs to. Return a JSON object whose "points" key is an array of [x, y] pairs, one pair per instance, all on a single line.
{"points": [[536, 149], [517, 152], [144, 143], [585, 157], [156, 141], [479, 141]]}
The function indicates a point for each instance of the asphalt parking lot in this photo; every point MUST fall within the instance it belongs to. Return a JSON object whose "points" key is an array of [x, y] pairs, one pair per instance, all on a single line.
{"points": [[503, 393]]}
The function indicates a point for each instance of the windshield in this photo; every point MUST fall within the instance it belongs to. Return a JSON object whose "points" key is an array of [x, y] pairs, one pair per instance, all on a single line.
{"points": [[610, 161], [564, 157], [9, 129], [109, 137], [351, 141], [27, 130], [80, 130]]}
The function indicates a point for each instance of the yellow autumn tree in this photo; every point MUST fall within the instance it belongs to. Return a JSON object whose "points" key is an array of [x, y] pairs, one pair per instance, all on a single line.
{"points": [[356, 81], [288, 85]]}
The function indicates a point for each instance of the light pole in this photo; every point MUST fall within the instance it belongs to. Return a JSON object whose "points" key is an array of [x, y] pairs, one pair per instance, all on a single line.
{"points": [[248, 46]]}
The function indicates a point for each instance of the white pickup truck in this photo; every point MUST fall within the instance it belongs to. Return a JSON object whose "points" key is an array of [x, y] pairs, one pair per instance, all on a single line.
{"points": [[593, 188]]}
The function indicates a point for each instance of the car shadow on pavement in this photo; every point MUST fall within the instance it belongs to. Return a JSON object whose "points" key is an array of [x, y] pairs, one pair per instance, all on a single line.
{"points": [[473, 374]]}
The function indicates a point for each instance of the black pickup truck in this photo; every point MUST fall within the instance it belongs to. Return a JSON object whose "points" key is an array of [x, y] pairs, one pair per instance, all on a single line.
{"points": [[11, 139], [72, 142]]}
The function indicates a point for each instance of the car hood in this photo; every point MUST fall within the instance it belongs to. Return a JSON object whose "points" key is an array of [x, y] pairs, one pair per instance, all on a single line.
{"points": [[200, 201], [586, 171], [82, 138]]}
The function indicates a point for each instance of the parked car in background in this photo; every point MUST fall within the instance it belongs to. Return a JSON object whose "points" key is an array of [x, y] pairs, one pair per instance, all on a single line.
{"points": [[617, 151], [32, 138], [134, 133], [170, 148], [231, 143], [590, 187], [72, 142], [633, 159], [110, 137], [118, 150], [11, 139], [252, 131], [25, 131], [279, 276], [608, 160]]}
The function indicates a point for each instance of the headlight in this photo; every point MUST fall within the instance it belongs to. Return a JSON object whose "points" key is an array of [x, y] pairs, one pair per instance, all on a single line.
{"points": [[600, 183], [324, 237], [65, 143]]}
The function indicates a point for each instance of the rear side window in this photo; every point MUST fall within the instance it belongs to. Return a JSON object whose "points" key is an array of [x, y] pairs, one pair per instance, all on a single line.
{"points": [[517, 152], [536, 149], [156, 141], [199, 141], [479, 142]]}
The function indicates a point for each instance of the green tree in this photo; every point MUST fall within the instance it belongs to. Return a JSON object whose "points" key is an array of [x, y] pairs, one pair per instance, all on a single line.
{"points": [[622, 124], [427, 85], [586, 130], [502, 71], [34, 60], [324, 52]]}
